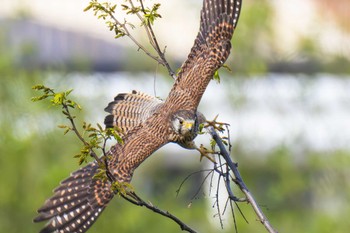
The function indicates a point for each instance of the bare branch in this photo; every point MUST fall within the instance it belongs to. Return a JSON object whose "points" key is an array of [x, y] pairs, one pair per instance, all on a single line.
{"points": [[128, 34], [217, 202], [146, 16], [191, 174], [133, 198], [154, 42]]}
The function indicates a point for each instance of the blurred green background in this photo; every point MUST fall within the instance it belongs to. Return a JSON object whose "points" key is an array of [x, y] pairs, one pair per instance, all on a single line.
{"points": [[300, 187]]}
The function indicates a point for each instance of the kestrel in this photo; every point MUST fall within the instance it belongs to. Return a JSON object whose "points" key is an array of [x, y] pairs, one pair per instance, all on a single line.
{"points": [[80, 199], [129, 110]]}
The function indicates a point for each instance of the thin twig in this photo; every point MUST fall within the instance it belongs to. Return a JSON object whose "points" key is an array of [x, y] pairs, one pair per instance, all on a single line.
{"points": [[200, 186], [152, 39], [75, 130], [154, 42], [150, 33], [234, 217], [188, 176], [128, 34], [217, 203]]}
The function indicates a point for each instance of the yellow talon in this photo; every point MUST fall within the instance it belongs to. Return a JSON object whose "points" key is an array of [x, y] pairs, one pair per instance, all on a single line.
{"points": [[216, 125], [205, 153]]}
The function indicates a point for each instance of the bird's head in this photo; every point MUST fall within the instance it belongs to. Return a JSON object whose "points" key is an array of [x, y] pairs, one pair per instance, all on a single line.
{"points": [[185, 123]]}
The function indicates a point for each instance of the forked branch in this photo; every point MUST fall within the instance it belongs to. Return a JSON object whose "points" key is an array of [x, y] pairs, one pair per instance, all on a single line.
{"points": [[136, 200]]}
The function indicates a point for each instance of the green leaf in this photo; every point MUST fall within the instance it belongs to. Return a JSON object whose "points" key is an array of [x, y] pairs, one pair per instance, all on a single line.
{"points": [[65, 113], [134, 10], [227, 67], [34, 99], [122, 187], [119, 35], [216, 76], [212, 143], [68, 92], [101, 174], [66, 131], [112, 8], [124, 7], [58, 99], [200, 128], [87, 8], [99, 127], [155, 7], [38, 87]]}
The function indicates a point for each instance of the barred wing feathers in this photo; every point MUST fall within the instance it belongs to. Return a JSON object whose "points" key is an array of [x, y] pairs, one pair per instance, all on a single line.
{"points": [[209, 52], [128, 110], [77, 202]]}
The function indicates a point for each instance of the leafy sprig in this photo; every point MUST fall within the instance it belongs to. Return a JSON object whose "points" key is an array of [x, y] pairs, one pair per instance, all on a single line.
{"points": [[121, 28], [93, 138]]}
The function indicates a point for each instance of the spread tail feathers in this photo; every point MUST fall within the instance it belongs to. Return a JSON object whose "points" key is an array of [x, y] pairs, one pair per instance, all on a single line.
{"points": [[77, 202]]}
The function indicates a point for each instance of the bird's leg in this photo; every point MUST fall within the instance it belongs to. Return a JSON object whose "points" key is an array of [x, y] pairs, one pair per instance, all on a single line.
{"points": [[219, 126], [202, 150], [206, 153]]}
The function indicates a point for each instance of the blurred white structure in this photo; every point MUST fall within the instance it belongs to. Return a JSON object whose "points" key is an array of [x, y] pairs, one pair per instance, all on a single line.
{"points": [[296, 111], [294, 20], [301, 19]]}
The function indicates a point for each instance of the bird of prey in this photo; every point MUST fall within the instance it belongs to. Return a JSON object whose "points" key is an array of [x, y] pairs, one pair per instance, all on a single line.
{"points": [[79, 200], [128, 110]]}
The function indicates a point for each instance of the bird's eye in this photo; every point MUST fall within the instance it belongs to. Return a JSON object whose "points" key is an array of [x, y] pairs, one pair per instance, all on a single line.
{"points": [[181, 121]]}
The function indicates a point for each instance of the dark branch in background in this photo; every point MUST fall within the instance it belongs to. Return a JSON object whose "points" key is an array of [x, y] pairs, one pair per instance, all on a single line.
{"points": [[239, 181], [136, 200]]}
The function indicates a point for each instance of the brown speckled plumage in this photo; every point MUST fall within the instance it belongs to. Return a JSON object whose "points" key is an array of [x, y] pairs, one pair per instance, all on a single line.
{"points": [[80, 199], [128, 110]]}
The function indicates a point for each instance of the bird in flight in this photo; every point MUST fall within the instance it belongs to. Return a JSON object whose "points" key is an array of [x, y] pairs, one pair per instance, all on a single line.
{"points": [[79, 200], [128, 110]]}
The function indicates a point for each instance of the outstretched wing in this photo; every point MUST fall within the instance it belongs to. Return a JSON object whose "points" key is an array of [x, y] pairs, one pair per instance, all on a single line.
{"points": [[77, 202], [128, 110], [80, 199], [209, 52]]}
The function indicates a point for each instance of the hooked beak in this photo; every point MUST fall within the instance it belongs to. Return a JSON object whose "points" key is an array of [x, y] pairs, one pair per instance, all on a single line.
{"points": [[188, 125]]}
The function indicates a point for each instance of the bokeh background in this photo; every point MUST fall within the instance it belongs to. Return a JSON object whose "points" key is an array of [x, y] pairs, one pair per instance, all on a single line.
{"points": [[287, 100]]}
